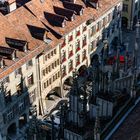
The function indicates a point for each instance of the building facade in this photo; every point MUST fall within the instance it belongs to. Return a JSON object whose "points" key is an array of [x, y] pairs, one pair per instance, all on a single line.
{"points": [[39, 53], [131, 13]]}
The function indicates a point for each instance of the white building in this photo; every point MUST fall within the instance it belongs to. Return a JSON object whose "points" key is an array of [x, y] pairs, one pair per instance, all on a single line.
{"points": [[41, 44]]}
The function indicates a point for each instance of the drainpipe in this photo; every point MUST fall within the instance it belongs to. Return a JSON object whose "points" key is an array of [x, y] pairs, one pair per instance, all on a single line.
{"points": [[61, 83], [39, 86]]}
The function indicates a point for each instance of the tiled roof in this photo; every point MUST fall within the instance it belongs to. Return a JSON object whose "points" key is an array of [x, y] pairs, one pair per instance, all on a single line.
{"points": [[42, 16], [89, 12], [15, 28], [64, 12]]}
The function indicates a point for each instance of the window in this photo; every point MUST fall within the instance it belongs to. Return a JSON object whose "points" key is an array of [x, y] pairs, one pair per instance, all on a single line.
{"points": [[104, 21], [30, 80], [78, 33], [136, 6], [84, 41], [17, 72], [46, 57], [70, 51], [21, 106], [54, 51], [84, 55], [59, 74], [63, 56], [125, 7], [52, 65], [44, 72], [51, 53], [49, 56], [8, 97], [70, 65], [63, 44], [110, 17], [45, 85], [98, 27], [57, 61], [77, 60], [49, 68], [6, 79], [10, 115], [77, 45], [93, 30], [56, 76], [53, 78], [50, 81], [29, 64], [63, 71], [19, 89], [84, 28], [92, 45]]}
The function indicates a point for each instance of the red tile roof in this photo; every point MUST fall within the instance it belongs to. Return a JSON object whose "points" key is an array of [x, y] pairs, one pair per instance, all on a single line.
{"points": [[15, 25]]}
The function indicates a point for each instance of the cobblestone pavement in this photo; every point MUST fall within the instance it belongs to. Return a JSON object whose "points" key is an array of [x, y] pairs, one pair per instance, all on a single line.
{"points": [[130, 129]]}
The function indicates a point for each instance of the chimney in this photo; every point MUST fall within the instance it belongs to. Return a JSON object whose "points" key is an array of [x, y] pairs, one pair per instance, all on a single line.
{"points": [[1, 62], [11, 5]]}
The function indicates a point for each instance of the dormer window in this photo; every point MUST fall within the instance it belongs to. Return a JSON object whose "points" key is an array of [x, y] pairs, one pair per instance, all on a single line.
{"points": [[18, 44], [8, 52]]}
